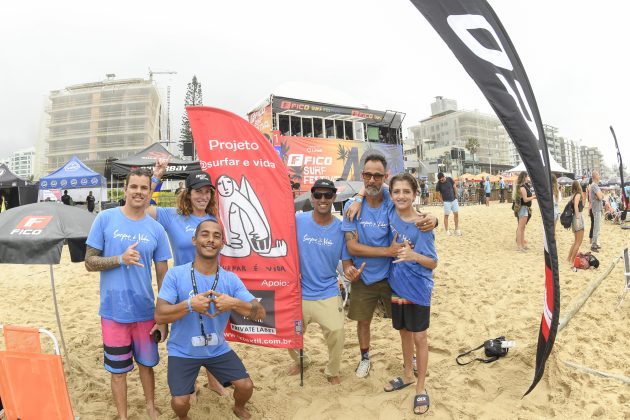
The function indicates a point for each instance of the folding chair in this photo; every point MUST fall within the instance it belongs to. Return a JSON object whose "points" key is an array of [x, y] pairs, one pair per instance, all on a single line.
{"points": [[626, 264], [32, 384]]}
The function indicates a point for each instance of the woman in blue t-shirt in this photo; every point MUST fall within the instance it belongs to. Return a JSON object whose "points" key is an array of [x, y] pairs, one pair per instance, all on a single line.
{"points": [[195, 204], [411, 280]]}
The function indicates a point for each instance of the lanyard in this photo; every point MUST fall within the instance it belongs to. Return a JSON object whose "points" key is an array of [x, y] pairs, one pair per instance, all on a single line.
{"points": [[194, 285]]}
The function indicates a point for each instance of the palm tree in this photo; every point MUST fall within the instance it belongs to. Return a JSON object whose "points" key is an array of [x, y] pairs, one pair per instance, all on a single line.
{"points": [[342, 153], [472, 146]]}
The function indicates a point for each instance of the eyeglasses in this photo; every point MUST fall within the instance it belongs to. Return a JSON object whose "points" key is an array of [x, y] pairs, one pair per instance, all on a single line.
{"points": [[327, 195], [377, 177]]}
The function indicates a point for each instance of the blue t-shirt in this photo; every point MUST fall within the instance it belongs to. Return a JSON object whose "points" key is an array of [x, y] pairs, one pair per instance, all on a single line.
{"points": [[177, 287], [126, 292], [372, 228], [487, 186], [502, 184], [180, 230], [407, 279], [320, 248]]}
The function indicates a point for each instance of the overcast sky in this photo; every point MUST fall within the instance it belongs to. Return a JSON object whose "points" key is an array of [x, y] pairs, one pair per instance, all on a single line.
{"points": [[384, 53]]}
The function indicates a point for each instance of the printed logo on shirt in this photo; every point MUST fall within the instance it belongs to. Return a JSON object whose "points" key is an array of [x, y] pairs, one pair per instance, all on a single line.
{"points": [[401, 236], [129, 237], [317, 241], [370, 224]]}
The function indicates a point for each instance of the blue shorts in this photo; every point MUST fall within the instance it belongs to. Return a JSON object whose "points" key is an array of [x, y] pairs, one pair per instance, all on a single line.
{"points": [[523, 212], [450, 206], [183, 371]]}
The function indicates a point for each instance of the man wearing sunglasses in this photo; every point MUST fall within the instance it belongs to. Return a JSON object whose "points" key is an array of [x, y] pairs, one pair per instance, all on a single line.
{"points": [[367, 239], [321, 245]]}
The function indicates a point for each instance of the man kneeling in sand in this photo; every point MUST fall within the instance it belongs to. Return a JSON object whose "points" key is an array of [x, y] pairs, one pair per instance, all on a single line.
{"points": [[197, 298]]}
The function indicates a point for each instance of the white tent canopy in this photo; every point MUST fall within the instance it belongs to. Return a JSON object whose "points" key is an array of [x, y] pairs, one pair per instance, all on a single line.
{"points": [[555, 167]]}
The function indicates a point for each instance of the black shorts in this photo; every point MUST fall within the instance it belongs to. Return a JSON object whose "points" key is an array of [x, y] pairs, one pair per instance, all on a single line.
{"points": [[183, 371], [487, 194], [408, 315]]}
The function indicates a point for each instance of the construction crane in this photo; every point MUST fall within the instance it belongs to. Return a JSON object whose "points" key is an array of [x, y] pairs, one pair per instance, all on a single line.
{"points": [[168, 103]]}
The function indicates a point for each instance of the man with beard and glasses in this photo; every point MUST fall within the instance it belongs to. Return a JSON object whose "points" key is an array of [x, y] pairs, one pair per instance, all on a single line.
{"points": [[321, 246], [121, 245], [366, 227]]}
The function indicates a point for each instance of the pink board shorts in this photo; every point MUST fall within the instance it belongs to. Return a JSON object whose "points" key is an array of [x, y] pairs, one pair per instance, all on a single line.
{"points": [[122, 343]]}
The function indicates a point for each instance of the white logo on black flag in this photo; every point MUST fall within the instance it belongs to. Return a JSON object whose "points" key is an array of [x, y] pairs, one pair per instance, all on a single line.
{"points": [[473, 32]]}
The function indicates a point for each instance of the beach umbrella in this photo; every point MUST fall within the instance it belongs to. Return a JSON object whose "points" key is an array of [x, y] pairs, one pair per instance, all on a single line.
{"points": [[345, 190], [35, 234], [565, 180]]}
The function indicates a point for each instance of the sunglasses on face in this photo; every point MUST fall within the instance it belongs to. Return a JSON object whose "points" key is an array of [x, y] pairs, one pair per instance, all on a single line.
{"points": [[327, 195], [368, 175]]}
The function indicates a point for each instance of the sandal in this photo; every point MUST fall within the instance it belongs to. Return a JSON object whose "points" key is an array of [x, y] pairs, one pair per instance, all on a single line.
{"points": [[397, 384], [421, 400]]}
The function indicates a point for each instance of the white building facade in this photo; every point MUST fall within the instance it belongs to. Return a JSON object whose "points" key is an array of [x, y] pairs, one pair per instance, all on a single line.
{"points": [[99, 121]]}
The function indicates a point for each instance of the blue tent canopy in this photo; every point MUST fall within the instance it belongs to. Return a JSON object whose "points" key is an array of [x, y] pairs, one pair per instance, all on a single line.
{"points": [[74, 174]]}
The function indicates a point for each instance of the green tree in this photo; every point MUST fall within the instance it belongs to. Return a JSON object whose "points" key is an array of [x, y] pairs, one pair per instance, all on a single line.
{"points": [[194, 96], [472, 146]]}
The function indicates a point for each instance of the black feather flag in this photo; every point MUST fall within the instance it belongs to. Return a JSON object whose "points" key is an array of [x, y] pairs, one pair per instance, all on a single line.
{"points": [[474, 33]]}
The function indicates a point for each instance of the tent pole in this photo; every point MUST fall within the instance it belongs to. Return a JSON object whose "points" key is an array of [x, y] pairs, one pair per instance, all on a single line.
{"points": [[52, 284], [302, 367]]}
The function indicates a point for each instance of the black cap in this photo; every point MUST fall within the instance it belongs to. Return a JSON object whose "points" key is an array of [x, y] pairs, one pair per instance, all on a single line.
{"points": [[324, 183], [198, 179]]}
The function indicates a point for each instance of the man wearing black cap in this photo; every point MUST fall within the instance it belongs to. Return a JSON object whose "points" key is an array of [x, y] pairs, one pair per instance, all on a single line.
{"points": [[321, 245]]}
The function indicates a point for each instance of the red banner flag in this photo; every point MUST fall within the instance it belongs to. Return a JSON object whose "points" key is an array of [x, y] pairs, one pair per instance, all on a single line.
{"points": [[256, 210]]}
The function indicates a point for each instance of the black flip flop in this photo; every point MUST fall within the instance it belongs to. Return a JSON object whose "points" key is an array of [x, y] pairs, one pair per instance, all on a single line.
{"points": [[421, 400], [397, 384]]}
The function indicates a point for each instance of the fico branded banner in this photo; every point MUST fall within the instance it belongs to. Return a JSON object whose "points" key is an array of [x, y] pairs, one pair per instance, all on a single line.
{"points": [[475, 35], [256, 210], [309, 159]]}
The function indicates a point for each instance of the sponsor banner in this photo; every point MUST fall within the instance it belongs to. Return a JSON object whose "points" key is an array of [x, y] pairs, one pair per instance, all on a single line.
{"points": [[472, 30], [309, 159], [316, 109], [262, 120], [256, 210], [31, 225]]}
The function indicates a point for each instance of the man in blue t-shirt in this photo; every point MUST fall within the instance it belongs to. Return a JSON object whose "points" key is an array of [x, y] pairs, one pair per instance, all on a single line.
{"points": [[446, 189], [122, 243], [198, 298], [367, 239], [501, 190], [321, 246], [487, 189]]}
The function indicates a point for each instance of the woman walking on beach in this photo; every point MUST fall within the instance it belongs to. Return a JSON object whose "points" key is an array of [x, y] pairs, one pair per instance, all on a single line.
{"points": [[523, 198], [411, 280], [196, 203], [577, 226]]}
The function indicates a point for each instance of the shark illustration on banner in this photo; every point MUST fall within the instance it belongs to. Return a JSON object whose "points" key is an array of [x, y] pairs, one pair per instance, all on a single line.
{"points": [[472, 30], [256, 211]]}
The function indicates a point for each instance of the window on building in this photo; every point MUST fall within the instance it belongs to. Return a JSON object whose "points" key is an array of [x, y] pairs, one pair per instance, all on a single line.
{"points": [[339, 129], [348, 131], [283, 125], [330, 129], [307, 127], [296, 126], [318, 127]]}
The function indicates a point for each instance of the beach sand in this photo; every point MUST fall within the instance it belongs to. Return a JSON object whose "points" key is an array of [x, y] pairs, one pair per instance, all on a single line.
{"points": [[483, 289]]}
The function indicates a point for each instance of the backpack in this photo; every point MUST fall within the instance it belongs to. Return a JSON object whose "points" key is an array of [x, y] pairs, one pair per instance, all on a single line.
{"points": [[585, 260], [566, 217]]}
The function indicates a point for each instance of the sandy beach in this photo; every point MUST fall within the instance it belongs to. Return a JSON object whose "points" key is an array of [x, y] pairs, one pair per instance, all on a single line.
{"points": [[483, 289]]}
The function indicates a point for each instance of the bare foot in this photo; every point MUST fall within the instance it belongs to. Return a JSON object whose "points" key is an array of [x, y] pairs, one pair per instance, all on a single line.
{"points": [[294, 369], [193, 396], [334, 380], [241, 412]]}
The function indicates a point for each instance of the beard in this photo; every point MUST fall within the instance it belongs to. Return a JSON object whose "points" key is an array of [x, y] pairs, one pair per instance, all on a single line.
{"points": [[373, 191]]}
